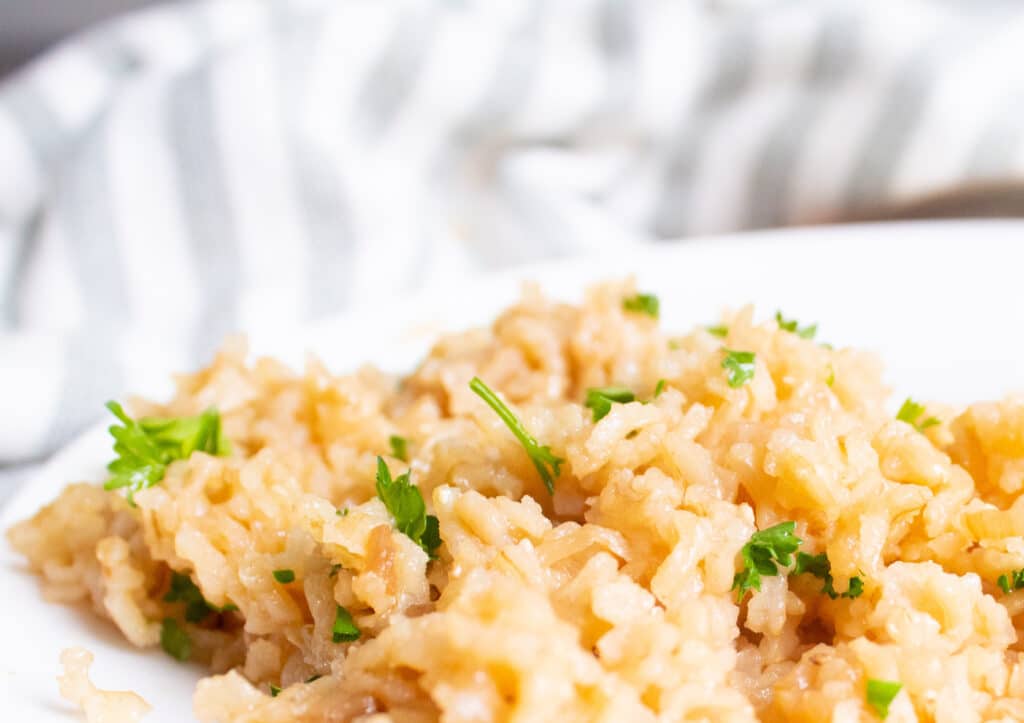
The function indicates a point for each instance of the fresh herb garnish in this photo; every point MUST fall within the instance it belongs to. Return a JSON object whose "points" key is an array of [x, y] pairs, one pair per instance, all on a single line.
{"points": [[175, 641], [334, 570], [911, 412], [1011, 582], [399, 447], [831, 378], [719, 330], [880, 694], [197, 608], [763, 554], [659, 388], [819, 566], [344, 629], [792, 326], [342, 512], [642, 304], [284, 576], [739, 367], [405, 503], [548, 465], [274, 691], [145, 447], [312, 678], [600, 399]]}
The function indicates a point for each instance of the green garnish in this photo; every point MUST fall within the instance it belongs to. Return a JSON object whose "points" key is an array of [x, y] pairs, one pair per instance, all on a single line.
{"points": [[145, 447], [342, 512], [831, 378], [880, 694], [911, 411], [739, 367], [541, 456], [399, 447], [175, 641], [344, 629], [600, 399], [197, 608], [405, 503], [763, 554], [659, 388], [819, 566], [642, 304], [791, 326], [719, 330], [284, 576], [312, 678], [1011, 582], [274, 691], [334, 570]]}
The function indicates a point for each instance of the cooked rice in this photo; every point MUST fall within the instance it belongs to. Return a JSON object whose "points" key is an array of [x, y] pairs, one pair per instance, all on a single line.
{"points": [[609, 601], [98, 706]]}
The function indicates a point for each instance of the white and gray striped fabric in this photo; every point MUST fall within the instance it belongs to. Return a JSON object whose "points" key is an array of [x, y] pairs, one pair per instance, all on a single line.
{"points": [[201, 168]]}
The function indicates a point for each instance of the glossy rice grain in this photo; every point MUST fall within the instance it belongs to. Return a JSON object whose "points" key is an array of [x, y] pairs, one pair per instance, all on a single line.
{"points": [[609, 601]]}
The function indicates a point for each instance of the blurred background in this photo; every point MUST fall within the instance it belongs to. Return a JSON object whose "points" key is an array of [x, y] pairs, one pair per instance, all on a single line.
{"points": [[27, 27], [175, 172]]}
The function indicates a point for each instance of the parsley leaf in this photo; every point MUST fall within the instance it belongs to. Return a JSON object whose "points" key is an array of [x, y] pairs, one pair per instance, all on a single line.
{"points": [[313, 678], [274, 691], [819, 566], [197, 608], [344, 629], [284, 576], [600, 399], [880, 694], [910, 412], [175, 641], [1011, 582], [719, 330], [541, 456], [791, 326], [404, 501], [399, 447], [643, 304], [739, 367], [762, 555], [145, 447], [659, 388]]}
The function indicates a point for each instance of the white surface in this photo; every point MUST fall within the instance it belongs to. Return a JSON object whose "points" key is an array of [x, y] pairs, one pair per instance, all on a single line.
{"points": [[940, 302]]}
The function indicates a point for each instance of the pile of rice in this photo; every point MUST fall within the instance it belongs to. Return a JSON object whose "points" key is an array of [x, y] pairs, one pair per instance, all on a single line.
{"points": [[608, 601]]}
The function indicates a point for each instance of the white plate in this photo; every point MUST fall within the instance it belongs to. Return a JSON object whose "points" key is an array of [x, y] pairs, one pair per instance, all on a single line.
{"points": [[941, 303]]}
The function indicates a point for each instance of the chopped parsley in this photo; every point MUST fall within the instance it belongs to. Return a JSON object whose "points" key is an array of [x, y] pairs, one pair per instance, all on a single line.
{"points": [[284, 576], [404, 501], [334, 570], [600, 399], [819, 566], [911, 412], [145, 447], [880, 694], [274, 691], [197, 608], [313, 678], [175, 641], [763, 554], [739, 367], [793, 327], [659, 388], [399, 447], [344, 629], [719, 330], [642, 304], [342, 512], [1011, 582], [548, 465]]}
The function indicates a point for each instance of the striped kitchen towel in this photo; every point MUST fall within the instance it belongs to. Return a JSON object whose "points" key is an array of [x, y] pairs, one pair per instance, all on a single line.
{"points": [[201, 168]]}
